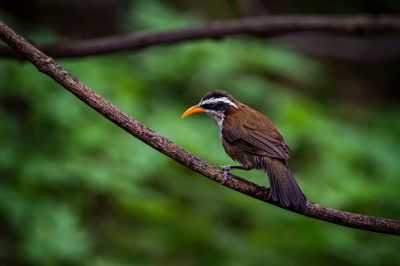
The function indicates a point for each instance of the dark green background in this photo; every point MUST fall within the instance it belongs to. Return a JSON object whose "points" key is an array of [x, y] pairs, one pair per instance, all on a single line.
{"points": [[77, 190]]}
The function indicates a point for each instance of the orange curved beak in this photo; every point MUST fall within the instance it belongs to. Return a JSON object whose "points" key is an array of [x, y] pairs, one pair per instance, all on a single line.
{"points": [[192, 110]]}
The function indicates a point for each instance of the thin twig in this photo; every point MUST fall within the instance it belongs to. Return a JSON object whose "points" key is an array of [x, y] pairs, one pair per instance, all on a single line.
{"points": [[259, 26], [47, 65]]}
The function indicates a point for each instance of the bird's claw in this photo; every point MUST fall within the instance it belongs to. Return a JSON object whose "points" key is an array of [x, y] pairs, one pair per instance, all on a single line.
{"points": [[226, 170]]}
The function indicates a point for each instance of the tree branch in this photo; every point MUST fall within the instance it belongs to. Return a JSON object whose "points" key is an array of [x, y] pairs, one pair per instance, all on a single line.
{"points": [[374, 50], [47, 65], [258, 26]]}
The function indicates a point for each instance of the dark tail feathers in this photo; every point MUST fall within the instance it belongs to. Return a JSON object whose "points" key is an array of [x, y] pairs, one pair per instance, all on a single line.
{"points": [[284, 187]]}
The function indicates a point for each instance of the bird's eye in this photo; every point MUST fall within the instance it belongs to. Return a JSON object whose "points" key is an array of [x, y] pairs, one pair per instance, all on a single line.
{"points": [[207, 106], [214, 105], [219, 106]]}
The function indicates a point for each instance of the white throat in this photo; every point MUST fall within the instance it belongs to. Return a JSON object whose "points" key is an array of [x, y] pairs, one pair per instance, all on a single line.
{"points": [[218, 117]]}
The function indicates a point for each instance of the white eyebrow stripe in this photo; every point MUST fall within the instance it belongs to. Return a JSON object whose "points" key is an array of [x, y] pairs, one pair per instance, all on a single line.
{"points": [[220, 99]]}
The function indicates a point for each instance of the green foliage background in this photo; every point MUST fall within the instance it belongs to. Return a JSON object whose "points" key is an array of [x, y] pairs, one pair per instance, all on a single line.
{"points": [[77, 190]]}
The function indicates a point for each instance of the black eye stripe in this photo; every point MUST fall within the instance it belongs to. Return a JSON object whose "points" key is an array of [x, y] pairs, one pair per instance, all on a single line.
{"points": [[215, 106], [209, 105]]}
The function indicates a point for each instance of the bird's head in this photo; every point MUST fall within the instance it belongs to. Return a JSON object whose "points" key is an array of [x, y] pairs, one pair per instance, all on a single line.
{"points": [[215, 104]]}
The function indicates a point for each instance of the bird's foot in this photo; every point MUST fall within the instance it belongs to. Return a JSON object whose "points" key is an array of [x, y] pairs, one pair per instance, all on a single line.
{"points": [[226, 170]]}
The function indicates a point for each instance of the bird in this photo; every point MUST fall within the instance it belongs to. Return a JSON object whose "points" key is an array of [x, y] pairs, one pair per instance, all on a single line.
{"points": [[251, 139]]}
